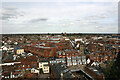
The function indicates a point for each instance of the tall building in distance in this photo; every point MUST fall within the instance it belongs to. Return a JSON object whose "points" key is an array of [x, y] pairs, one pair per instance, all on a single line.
{"points": [[82, 49]]}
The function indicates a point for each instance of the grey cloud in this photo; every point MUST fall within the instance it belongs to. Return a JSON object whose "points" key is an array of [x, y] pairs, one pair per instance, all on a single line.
{"points": [[78, 20], [10, 8], [6, 16], [38, 20], [96, 17], [10, 12]]}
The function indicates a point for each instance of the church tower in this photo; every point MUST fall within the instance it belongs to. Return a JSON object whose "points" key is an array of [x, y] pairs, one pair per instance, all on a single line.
{"points": [[82, 49]]}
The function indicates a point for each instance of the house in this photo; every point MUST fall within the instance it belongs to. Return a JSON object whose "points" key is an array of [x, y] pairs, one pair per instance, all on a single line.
{"points": [[30, 54], [57, 60], [4, 48], [33, 70], [76, 60], [45, 68], [29, 62], [88, 61], [16, 43], [94, 64], [67, 53], [19, 50], [43, 65], [8, 57], [8, 70]]}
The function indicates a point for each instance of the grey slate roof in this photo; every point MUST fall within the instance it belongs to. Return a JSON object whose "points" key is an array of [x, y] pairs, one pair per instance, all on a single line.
{"points": [[61, 68]]}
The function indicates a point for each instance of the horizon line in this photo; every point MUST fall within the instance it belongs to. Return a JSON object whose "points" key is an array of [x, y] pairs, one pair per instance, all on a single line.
{"points": [[60, 33]]}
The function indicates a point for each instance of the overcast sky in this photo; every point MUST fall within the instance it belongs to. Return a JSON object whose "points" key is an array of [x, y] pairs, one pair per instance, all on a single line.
{"points": [[60, 16]]}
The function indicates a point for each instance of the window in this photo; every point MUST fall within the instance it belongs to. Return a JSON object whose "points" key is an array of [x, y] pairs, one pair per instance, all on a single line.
{"points": [[40, 63], [45, 67], [63, 53], [33, 70], [59, 53], [44, 70]]}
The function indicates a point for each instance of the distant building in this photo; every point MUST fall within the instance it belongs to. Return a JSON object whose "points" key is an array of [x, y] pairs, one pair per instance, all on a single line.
{"points": [[19, 50], [6, 47], [82, 49], [76, 60], [58, 60]]}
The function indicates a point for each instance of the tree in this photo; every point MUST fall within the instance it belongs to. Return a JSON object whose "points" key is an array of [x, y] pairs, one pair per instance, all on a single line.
{"points": [[114, 73]]}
